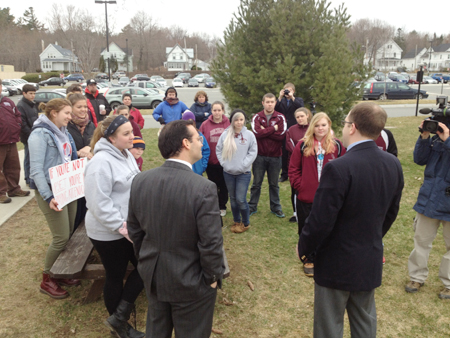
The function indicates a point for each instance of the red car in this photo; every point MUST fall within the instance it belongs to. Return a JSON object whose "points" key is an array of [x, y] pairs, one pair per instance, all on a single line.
{"points": [[413, 80]]}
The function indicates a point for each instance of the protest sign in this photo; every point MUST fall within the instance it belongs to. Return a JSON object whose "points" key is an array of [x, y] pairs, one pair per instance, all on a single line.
{"points": [[67, 181]]}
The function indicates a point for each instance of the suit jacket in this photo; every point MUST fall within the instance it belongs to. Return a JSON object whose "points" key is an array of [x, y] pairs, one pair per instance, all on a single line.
{"points": [[355, 205], [174, 223]]}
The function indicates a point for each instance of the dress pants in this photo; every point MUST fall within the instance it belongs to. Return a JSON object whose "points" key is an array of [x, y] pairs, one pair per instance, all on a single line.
{"points": [[425, 230], [329, 308], [189, 319]]}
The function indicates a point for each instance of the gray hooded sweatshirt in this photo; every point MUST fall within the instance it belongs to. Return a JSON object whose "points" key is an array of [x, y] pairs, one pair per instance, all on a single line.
{"points": [[107, 178]]}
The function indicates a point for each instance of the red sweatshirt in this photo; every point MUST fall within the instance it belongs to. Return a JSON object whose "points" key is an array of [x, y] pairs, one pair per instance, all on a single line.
{"points": [[212, 131], [294, 135], [269, 140], [303, 171]]}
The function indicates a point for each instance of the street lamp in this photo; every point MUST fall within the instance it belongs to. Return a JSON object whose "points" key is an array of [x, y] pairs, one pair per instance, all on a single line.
{"points": [[106, 2]]}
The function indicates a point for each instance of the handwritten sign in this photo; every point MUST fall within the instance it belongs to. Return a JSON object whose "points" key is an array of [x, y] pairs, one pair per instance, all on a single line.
{"points": [[67, 181]]}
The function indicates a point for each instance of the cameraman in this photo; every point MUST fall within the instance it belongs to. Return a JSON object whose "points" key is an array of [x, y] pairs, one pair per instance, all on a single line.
{"points": [[433, 208], [287, 104]]}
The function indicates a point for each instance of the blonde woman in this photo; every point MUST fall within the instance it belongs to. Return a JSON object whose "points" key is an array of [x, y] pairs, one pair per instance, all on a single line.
{"points": [[310, 155], [236, 151]]}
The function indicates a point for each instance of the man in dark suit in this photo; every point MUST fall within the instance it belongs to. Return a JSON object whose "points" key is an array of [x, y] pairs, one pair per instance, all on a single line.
{"points": [[174, 223], [355, 205]]}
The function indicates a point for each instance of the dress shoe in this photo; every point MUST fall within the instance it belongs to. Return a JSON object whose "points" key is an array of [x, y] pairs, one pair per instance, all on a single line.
{"points": [[282, 179], [50, 287], [293, 219], [68, 281]]}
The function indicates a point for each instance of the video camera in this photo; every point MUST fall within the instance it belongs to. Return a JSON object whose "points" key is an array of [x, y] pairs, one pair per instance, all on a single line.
{"points": [[440, 114]]}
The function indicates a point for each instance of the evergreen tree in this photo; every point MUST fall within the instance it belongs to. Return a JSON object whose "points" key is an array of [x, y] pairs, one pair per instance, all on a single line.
{"points": [[400, 40], [113, 64], [270, 43], [30, 21], [6, 18], [102, 64]]}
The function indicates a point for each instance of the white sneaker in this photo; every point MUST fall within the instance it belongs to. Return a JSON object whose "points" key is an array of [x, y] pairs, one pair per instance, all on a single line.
{"points": [[223, 213]]}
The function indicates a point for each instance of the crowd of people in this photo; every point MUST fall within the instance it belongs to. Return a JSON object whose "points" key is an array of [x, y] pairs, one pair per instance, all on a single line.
{"points": [[345, 197]]}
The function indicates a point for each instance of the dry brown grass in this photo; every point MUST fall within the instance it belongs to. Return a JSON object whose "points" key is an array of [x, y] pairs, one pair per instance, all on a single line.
{"points": [[281, 304]]}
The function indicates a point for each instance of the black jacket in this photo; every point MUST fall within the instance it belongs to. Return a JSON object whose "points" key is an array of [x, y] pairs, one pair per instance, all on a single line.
{"points": [[354, 207], [84, 140], [29, 112], [288, 111], [96, 101]]}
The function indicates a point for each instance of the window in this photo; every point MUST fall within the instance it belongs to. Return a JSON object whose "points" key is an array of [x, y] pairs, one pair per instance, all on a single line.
{"points": [[3, 68], [441, 57], [174, 57], [395, 54]]}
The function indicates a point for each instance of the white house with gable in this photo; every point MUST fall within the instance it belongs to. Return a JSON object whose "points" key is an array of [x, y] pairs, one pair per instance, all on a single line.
{"points": [[56, 58], [387, 57], [120, 55], [178, 58]]}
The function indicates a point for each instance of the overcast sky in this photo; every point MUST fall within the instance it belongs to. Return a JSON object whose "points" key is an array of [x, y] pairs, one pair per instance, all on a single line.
{"points": [[213, 16]]}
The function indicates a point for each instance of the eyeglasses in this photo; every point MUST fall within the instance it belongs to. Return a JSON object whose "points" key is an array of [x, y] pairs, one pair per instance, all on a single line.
{"points": [[200, 139], [343, 122]]}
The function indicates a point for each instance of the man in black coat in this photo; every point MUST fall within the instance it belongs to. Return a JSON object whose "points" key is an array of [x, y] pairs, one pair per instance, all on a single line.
{"points": [[29, 113], [355, 205], [95, 100], [174, 222], [287, 104]]}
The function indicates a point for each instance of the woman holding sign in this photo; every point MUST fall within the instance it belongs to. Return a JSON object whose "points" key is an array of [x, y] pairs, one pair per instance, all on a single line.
{"points": [[108, 178], [51, 145]]}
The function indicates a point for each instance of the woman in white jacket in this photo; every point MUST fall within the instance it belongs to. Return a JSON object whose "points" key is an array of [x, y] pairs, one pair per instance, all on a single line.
{"points": [[236, 151], [108, 178]]}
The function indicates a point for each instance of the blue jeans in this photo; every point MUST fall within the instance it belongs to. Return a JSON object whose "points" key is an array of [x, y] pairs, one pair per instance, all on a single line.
{"points": [[26, 163], [273, 166], [237, 186]]}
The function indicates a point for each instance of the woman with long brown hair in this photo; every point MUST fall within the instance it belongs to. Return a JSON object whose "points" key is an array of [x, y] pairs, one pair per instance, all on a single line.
{"points": [[310, 155]]}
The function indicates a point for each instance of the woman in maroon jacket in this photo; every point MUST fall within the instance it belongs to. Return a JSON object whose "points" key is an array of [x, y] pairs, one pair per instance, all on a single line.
{"points": [[310, 155], [293, 135], [125, 111]]}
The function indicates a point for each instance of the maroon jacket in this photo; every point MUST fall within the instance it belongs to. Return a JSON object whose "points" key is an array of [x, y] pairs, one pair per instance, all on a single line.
{"points": [[212, 131], [303, 171], [136, 129], [269, 140], [10, 122], [294, 135]]}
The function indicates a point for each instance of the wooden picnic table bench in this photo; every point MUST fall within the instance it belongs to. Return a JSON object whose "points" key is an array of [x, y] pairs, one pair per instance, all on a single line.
{"points": [[72, 262]]}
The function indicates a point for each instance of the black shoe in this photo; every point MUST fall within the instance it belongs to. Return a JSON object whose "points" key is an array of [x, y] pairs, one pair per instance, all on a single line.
{"points": [[252, 212], [293, 219], [283, 179], [118, 321], [278, 213]]}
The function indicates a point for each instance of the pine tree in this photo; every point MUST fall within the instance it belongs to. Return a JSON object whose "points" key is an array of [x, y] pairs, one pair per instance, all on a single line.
{"points": [[6, 18], [30, 21], [270, 43], [102, 64]]}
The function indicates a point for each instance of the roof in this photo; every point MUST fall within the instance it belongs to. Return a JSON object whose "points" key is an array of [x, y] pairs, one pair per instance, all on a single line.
{"points": [[188, 51], [63, 51], [123, 49], [442, 48], [412, 53], [58, 60]]}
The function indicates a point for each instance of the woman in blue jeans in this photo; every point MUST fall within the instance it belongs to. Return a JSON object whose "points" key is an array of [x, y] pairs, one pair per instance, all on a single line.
{"points": [[236, 151]]}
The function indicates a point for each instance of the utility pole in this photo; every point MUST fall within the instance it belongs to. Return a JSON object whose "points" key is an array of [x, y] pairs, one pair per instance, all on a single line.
{"points": [[106, 2], [128, 61]]}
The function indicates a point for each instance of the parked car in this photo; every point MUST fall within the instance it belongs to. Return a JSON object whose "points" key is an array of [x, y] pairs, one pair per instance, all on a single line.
{"points": [[74, 77], [200, 77], [142, 98], [102, 76], [210, 83], [149, 85], [47, 95], [5, 91], [19, 83], [398, 78], [391, 90], [140, 77], [429, 80], [119, 74], [193, 82], [413, 80], [123, 81], [177, 82], [184, 76], [53, 81], [159, 79], [405, 75], [11, 88]]}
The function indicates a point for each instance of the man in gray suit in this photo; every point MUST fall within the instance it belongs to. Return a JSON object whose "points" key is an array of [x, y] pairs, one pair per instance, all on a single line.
{"points": [[174, 223]]}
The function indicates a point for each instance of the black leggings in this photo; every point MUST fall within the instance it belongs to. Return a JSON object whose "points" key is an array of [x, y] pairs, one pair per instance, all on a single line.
{"points": [[115, 256]]}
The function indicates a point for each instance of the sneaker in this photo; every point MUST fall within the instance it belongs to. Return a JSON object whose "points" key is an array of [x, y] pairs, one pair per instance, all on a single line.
{"points": [[293, 219], [19, 193], [235, 224], [308, 269], [223, 213], [252, 212], [4, 199], [413, 287], [241, 228], [444, 294], [278, 213]]}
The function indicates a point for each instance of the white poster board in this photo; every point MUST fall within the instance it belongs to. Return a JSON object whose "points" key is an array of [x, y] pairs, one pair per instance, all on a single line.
{"points": [[67, 181]]}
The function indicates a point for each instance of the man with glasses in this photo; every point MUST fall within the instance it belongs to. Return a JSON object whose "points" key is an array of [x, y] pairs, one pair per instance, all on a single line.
{"points": [[355, 205], [175, 226]]}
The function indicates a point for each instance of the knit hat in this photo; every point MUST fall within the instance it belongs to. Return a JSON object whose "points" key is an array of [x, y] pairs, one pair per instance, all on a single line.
{"points": [[188, 115], [173, 89], [138, 142], [237, 111]]}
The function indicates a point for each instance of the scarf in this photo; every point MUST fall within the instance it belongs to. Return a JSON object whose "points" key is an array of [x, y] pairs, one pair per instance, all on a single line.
{"points": [[80, 122], [172, 101], [62, 138], [202, 104]]}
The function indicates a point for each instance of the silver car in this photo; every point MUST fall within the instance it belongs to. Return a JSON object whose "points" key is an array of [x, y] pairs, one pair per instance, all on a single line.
{"points": [[142, 98]]}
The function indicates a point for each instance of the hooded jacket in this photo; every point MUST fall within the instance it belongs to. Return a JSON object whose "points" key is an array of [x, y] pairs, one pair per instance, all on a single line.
{"points": [[166, 113], [294, 135], [107, 178], [199, 167], [199, 110], [29, 113], [96, 100], [212, 131], [10, 121], [245, 155]]}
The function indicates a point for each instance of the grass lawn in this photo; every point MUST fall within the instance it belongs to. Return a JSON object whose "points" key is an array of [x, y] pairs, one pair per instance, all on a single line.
{"points": [[281, 304]]}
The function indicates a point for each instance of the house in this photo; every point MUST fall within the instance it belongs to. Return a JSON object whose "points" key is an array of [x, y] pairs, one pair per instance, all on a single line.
{"points": [[412, 59], [438, 58], [56, 58], [120, 54], [387, 57], [178, 58]]}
